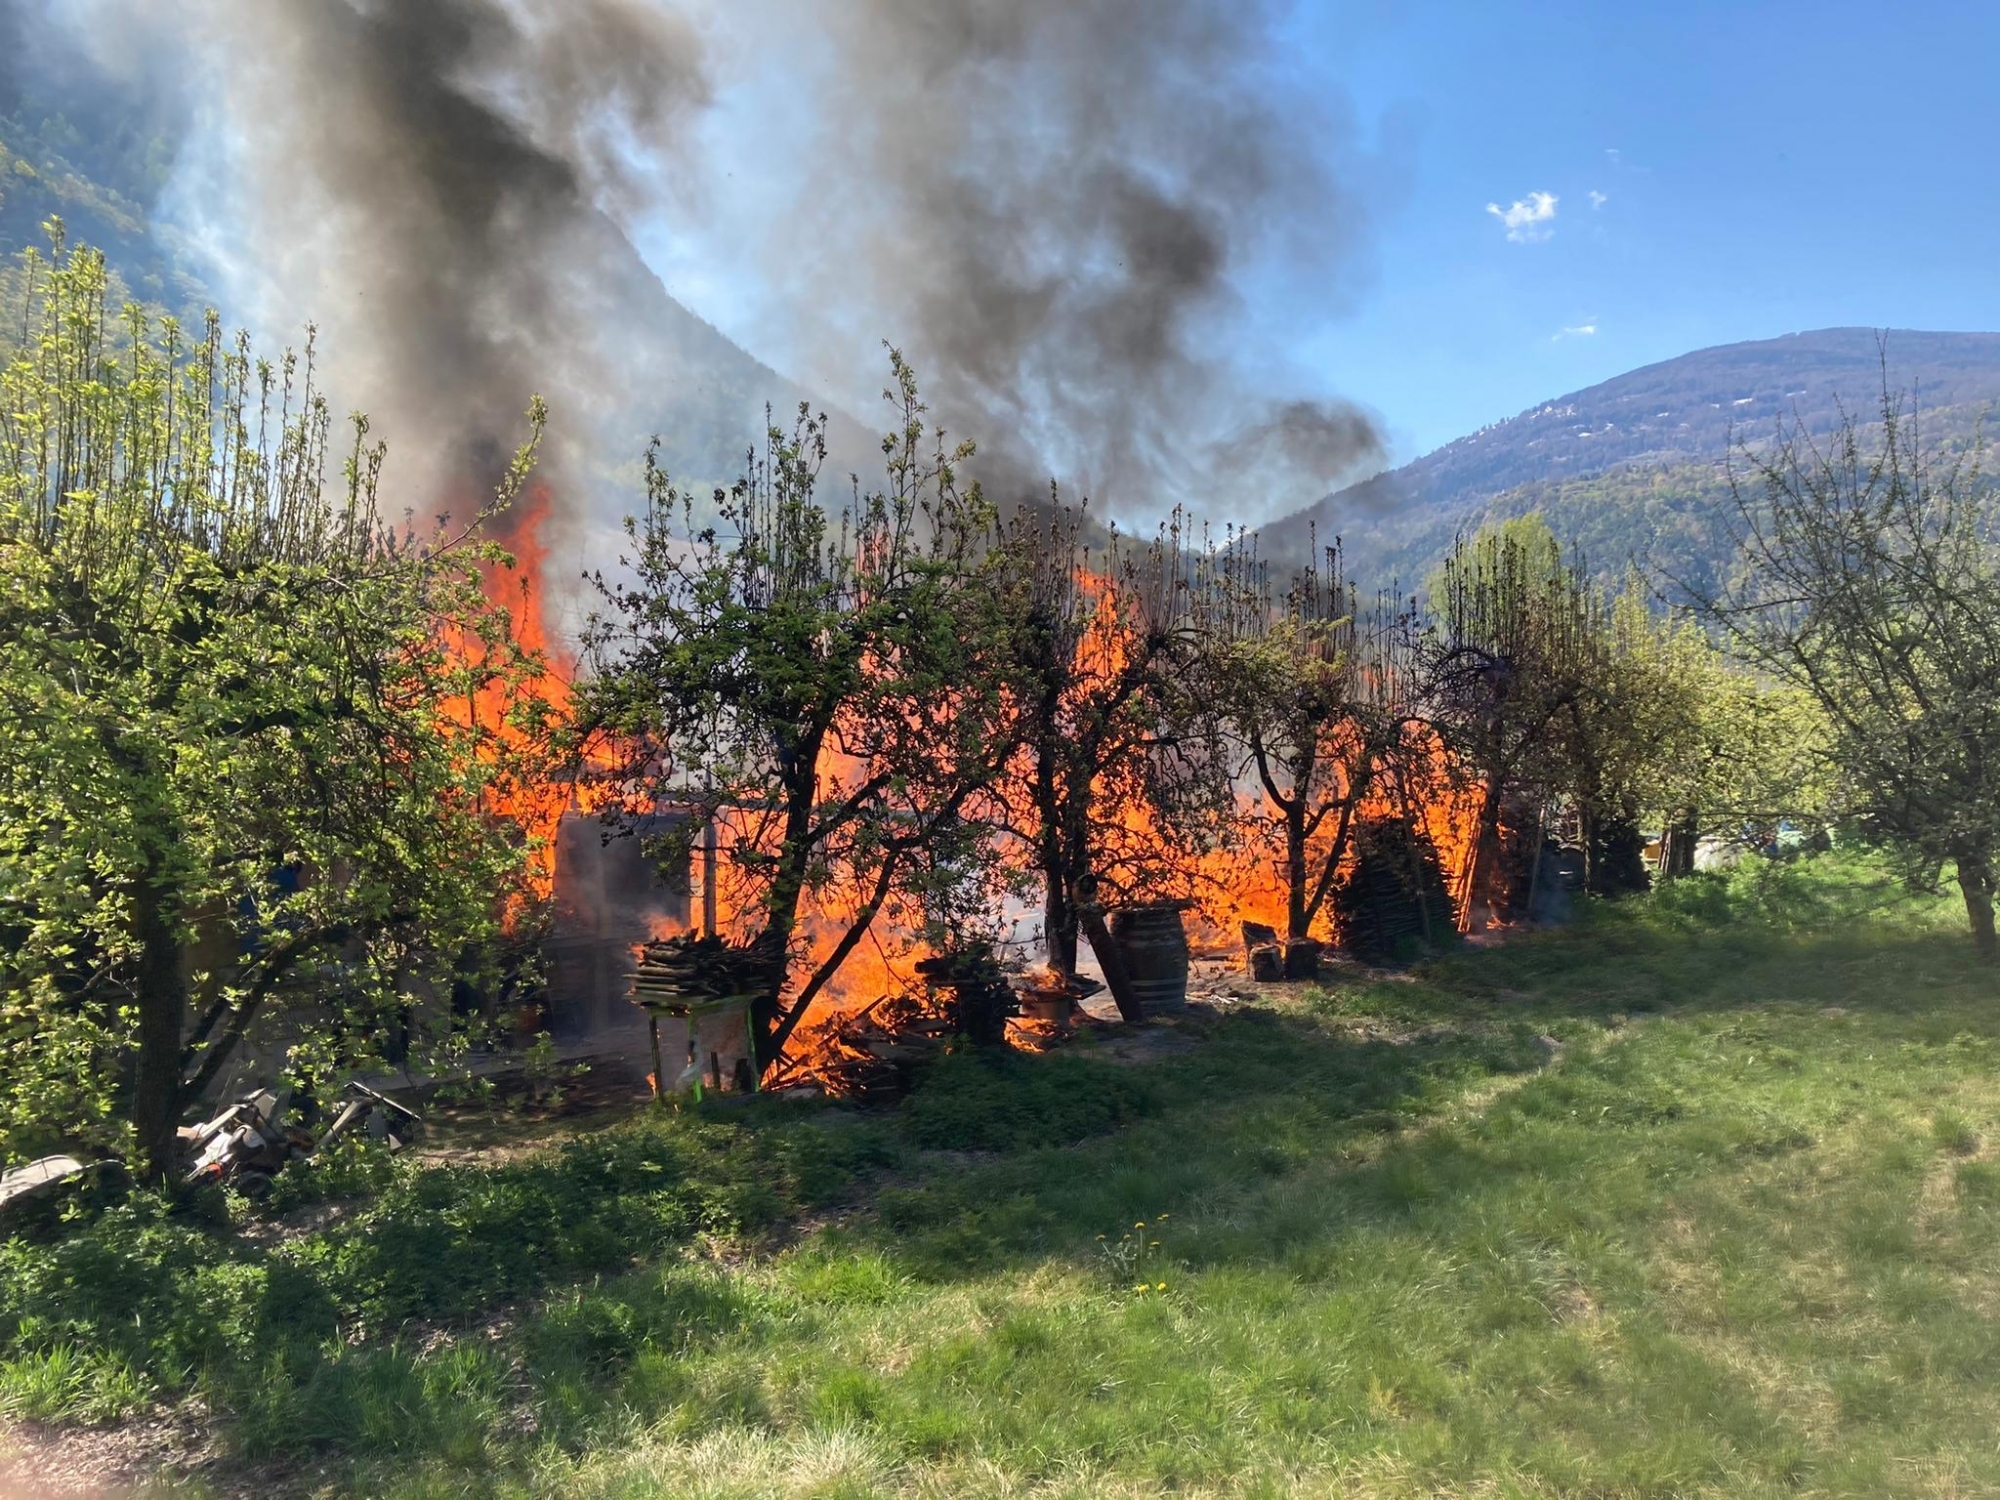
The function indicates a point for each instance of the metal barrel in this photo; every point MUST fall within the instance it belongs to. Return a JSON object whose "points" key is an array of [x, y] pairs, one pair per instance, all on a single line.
{"points": [[1155, 948]]}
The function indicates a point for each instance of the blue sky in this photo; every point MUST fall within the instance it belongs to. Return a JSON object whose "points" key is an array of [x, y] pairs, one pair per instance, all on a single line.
{"points": [[1763, 169], [1712, 172]]}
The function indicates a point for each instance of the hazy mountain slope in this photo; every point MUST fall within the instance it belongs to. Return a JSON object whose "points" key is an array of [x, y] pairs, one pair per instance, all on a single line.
{"points": [[103, 168], [100, 179], [1633, 469]]}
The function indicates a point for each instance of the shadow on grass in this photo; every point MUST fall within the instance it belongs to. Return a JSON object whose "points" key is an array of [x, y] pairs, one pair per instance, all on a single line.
{"points": [[436, 1313], [1387, 1108]]}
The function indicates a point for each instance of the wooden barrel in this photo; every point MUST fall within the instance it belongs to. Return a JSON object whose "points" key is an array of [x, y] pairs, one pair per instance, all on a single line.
{"points": [[1154, 946]]}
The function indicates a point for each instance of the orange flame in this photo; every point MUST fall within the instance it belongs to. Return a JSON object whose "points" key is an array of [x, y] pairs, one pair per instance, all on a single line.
{"points": [[519, 686]]}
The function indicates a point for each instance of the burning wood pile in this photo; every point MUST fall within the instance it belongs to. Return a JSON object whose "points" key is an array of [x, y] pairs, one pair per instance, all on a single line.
{"points": [[871, 1056], [874, 1054]]}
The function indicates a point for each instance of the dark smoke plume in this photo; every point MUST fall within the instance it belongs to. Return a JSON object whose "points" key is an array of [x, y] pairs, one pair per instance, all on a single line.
{"points": [[1055, 205], [429, 181], [1060, 208]]}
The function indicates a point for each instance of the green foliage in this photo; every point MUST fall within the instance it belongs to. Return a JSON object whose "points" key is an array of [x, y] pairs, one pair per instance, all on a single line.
{"points": [[1512, 662], [235, 774], [102, 178], [140, 1300], [822, 683], [1871, 587], [354, 1167], [1676, 1199]]}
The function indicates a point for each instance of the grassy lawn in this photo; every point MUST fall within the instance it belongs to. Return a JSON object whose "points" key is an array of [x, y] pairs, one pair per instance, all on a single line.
{"points": [[1700, 1196]]}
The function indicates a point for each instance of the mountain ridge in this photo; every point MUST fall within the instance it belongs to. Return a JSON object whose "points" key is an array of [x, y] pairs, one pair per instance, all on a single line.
{"points": [[1641, 458]]}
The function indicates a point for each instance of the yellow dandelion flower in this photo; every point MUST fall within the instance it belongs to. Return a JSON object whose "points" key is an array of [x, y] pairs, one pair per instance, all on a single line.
{"points": [[1140, 1225], [1140, 1287], [1154, 1243], [1161, 1287]]}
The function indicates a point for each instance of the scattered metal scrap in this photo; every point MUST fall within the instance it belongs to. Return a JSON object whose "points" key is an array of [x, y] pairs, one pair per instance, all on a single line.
{"points": [[250, 1142]]}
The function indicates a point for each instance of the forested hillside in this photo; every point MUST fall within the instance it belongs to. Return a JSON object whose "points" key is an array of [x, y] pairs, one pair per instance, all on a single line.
{"points": [[1636, 469], [99, 163]]}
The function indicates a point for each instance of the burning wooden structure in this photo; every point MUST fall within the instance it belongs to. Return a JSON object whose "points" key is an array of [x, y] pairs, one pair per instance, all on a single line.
{"points": [[1391, 846], [611, 894]]}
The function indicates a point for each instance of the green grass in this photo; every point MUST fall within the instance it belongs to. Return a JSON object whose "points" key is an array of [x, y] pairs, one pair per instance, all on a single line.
{"points": [[1693, 1198]]}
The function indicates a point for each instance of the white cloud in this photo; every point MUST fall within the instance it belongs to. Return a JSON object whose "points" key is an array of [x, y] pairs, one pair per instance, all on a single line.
{"points": [[1597, 199], [1576, 331], [1527, 219]]}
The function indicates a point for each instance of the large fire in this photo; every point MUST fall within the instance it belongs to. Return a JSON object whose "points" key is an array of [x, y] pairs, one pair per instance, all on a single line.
{"points": [[519, 691]]}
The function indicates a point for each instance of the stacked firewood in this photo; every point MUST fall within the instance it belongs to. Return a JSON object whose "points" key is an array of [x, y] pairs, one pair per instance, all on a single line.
{"points": [[1274, 959], [1392, 904], [675, 972]]}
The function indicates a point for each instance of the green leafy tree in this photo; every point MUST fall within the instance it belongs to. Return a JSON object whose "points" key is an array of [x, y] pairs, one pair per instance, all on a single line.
{"points": [[1310, 704], [1632, 724], [826, 683], [234, 793], [1510, 654], [1701, 747], [1870, 584]]}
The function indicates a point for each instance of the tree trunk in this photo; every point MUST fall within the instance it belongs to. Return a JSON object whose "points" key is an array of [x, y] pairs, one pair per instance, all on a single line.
{"points": [[781, 905], [1485, 849], [1058, 919], [1535, 858], [1587, 836], [1297, 918], [1677, 858], [1117, 978], [161, 989], [1058, 914], [1975, 883]]}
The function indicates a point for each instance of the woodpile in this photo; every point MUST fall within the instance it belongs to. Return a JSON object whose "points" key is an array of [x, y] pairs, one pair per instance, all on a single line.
{"points": [[708, 983], [674, 972], [1392, 905], [873, 1056], [1274, 959]]}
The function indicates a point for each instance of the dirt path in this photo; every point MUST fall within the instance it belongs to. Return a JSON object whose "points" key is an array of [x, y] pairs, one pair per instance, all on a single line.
{"points": [[148, 1456]]}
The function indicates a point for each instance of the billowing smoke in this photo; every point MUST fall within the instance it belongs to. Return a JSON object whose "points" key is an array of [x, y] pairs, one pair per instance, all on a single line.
{"points": [[1059, 206], [1066, 212], [429, 182]]}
